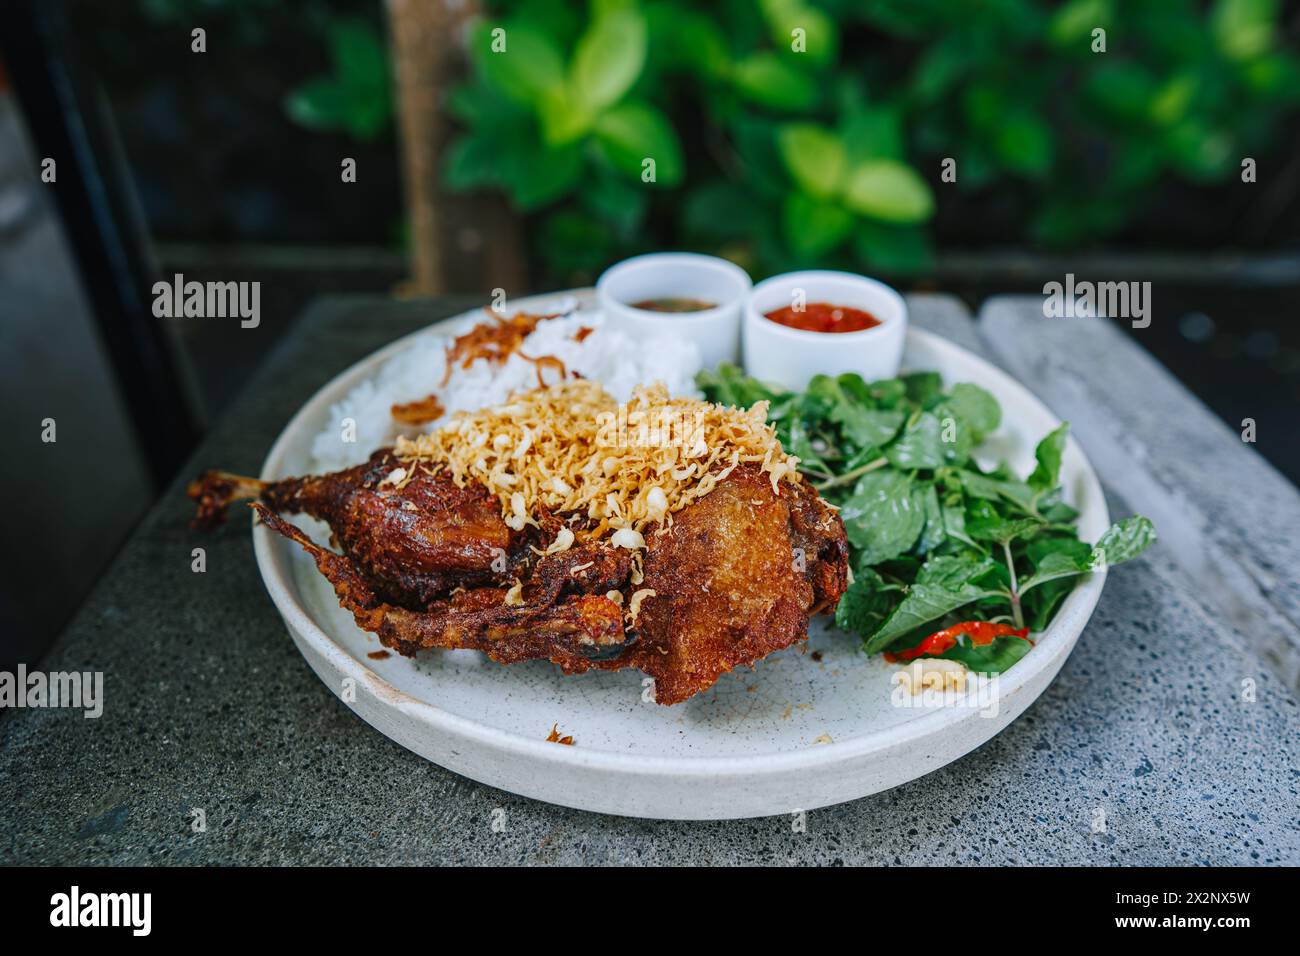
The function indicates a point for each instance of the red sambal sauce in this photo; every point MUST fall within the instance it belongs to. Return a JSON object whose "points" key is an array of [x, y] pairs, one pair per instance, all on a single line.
{"points": [[824, 317]]}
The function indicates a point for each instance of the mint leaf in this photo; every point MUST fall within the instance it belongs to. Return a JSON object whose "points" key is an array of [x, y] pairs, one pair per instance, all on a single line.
{"points": [[729, 385], [955, 432], [954, 524], [800, 445]]}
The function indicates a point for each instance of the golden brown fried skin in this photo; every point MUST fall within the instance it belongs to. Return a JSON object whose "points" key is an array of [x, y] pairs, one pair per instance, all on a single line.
{"points": [[735, 577], [415, 539], [556, 620]]}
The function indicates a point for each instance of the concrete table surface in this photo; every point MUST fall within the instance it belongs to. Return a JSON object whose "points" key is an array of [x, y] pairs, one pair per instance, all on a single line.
{"points": [[1171, 736]]}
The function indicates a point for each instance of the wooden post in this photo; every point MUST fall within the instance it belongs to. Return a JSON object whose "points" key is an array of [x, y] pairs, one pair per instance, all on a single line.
{"points": [[426, 42]]}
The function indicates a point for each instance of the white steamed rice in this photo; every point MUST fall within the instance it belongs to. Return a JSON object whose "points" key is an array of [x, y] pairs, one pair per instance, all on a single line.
{"points": [[605, 355]]}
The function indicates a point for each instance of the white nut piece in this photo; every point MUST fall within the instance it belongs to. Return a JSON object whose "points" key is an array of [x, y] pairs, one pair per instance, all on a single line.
{"points": [[563, 541], [634, 604], [933, 673], [627, 538], [656, 503]]}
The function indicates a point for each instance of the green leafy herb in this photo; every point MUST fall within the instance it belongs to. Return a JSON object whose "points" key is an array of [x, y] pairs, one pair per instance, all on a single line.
{"points": [[935, 537], [884, 516]]}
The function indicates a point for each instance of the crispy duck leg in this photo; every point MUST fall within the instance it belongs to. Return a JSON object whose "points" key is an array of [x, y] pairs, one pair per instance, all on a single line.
{"points": [[556, 619], [412, 531]]}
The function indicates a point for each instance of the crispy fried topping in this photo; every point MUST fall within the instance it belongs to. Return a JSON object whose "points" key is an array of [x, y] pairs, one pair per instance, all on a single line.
{"points": [[554, 737], [496, 341], [419, 412], [572, 449]]}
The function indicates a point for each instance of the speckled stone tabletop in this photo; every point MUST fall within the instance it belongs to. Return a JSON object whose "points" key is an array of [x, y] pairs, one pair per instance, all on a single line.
{"points": [[1171, 736]]}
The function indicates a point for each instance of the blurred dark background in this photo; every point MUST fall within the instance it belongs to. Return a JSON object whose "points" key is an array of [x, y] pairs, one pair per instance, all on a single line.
{"points": [[785, 134]]}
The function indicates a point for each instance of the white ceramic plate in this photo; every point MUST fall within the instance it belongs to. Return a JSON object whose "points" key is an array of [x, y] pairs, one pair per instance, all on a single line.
{"points": [[801, 731]]}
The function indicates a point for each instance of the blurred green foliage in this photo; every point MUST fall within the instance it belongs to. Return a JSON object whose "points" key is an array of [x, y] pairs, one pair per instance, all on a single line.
{"points": [[355, 96], [788, 133]]}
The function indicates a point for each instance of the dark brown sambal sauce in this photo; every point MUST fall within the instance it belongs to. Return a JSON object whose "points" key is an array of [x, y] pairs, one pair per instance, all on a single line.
{"points": [[824, 317]]}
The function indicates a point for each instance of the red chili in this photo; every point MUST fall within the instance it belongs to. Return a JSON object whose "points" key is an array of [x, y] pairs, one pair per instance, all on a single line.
{"points": [[979, 632]]}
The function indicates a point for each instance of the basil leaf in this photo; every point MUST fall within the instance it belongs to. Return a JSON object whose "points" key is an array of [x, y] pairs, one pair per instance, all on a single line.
{"points": [[865, 604], [920, 446], [954, 523], [945, 583], [1017, 493], [955, 432], [977, 408], [933, 532], [888, 392], [992, 658], [922, 387], [1055, 511], [800, 445], [1002, 530], [1056, 565], [728, 385], [869, 428], [1125, 540], [883, 517], [854, 387], [1047, 473]]}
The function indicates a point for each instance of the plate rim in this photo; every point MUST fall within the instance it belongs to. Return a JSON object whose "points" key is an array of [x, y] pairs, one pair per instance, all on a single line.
{"points": [[271, 554]]}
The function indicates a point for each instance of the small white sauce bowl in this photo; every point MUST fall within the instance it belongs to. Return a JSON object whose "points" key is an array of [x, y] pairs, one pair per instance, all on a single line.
{"points": [[678, 275], [784, 356]]}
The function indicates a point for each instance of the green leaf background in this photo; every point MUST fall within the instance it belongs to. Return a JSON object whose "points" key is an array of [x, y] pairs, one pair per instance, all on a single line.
{"points": [[829, 154]]}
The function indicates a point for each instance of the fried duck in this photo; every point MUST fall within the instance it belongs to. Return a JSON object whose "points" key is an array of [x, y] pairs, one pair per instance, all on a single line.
{"points": [[428, 558], [412, 543]]}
